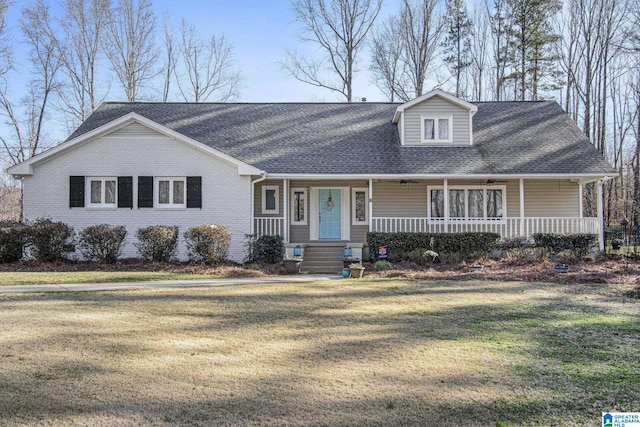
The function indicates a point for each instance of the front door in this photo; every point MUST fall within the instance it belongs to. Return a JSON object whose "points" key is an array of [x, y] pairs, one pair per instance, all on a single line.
{"points": [[329, 213]]}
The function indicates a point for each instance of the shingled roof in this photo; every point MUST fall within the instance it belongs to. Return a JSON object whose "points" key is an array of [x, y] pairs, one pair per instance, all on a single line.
{"points": [[359, 138]]}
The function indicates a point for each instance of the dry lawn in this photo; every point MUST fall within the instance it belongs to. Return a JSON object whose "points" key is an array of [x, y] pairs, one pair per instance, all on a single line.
{"points": [[368, 352]]}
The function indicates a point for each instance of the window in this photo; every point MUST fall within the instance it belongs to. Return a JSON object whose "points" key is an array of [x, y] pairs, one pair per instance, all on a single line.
{"points": [[299, 206], [170, 192], [270, 199], [436, 129], [102, 192], [359, 206], [477, 202]]}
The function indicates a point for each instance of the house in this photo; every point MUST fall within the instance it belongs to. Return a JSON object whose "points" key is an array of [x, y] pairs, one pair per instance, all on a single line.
{"points": [[321, 174]]}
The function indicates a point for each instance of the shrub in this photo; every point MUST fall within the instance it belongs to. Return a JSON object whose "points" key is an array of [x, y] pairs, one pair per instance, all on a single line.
{"points": [[578, 243], [157, 242], [103, 242], [382, 265], [47, 240], [208, 243], [12, 240], [464, 245], [268, 249]]}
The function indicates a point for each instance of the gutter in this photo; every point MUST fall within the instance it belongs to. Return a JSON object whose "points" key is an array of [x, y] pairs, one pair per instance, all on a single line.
{"points": [[263, 176]]}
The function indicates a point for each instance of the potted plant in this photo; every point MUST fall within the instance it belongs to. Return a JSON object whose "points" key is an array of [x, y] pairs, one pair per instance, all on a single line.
{"points": [[616, 244], [346, 273], [292, 265], [357, 270]]}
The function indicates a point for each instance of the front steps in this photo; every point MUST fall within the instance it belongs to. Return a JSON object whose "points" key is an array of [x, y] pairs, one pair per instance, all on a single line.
{"points": [[323, 258]]}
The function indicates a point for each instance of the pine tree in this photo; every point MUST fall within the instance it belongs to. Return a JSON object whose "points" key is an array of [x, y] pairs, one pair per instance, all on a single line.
{"points": [[457, 40]]}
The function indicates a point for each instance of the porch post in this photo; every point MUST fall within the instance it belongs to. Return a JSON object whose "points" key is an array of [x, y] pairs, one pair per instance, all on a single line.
{"points": [[370, 205], [600, 216], [285, 208], [446, 205], [522, 207], [580, 189]]}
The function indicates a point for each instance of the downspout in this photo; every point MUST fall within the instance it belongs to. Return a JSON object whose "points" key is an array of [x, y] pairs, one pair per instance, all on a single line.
{"points": [[263, 176]]}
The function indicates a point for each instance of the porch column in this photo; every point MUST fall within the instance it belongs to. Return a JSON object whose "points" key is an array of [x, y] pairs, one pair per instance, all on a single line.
{"points": [[370, 205], [580, 189], [285, 208], [600, 216], [521, 207], [446, 205]]}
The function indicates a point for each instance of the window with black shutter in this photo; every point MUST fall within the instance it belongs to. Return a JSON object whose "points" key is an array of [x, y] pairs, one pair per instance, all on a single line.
{"points": [[125, 192], [76, 191], [145, 192], [194, 192]]}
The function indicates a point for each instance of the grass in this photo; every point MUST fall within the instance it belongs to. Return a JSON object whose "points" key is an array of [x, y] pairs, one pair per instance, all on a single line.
{"points": [[41, 278], [369, 352]]}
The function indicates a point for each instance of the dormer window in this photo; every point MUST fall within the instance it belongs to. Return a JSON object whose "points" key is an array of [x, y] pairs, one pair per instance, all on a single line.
{"points": [[437, 129]]}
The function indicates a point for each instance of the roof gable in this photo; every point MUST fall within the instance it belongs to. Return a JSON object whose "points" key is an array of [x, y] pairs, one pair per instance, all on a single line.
{"points": [[436, 92]]}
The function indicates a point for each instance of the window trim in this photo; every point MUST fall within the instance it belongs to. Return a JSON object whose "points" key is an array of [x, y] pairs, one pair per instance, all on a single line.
{"points": [[466, 189], [306, 205], [355, 190], [103, 187], [156, 192], [266, 211], [435, 119]]}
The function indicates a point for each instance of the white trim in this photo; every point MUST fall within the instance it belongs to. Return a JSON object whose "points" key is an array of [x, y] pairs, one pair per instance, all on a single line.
{"points": [[437, 92], [521, 207], [354, 221], [436, 118], [600, 215], [588, 177], [446, 188], [172, 180], [581, 207], [305, 221], [470, 128], [266, 211], [103, 188], [26, 167], [285, 209], [370, 204], [401, 130]]}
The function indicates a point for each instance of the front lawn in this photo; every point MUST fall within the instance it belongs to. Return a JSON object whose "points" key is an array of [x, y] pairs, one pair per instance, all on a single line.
{"points": [[343, 352]]}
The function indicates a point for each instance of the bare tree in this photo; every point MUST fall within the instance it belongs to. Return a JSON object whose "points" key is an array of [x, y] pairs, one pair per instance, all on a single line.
{"points": [[171, 53], [208, 68], [339, 28], [84, 24], [130, 47], [387, 51], [480, 51]]}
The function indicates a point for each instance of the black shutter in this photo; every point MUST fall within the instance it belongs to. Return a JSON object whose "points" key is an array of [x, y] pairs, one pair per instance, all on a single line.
{"points": [[76, 191], [145, 191], [194, 192], [125, 192]]}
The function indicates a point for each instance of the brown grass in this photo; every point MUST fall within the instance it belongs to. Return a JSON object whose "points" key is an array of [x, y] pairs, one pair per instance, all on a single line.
{"points": [[367, 352]]}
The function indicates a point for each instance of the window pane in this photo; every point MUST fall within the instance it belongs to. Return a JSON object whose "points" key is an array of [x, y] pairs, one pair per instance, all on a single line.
{"points": [[270, 199], [456, 203], [178, 192], [437, 203], [429, 131], [476, 204], [443, 129], [360, 206], [298, 206], [163, 192], [494, 203], [110, 192], [96, 191]]}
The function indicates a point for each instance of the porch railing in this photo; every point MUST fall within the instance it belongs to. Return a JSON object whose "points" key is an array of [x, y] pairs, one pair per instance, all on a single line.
{"points": [[268, 226], [506, 227]]}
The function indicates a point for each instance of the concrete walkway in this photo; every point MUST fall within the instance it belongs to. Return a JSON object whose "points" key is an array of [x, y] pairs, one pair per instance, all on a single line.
{"points": [[118, 286]]}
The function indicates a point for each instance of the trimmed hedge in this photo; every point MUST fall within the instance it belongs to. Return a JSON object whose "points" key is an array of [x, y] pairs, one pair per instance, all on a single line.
{"points": [[157, 242], [400, 244], [102, 242], [47, 240], [12, 240], [268, 249], [208, 243], [579, 243]]}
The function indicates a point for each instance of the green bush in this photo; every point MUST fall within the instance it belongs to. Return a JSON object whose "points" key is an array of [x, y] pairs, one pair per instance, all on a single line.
{"points": [[382, 265], [268, 249], [208, 243], [578, 243], [12, 240], [47, 240], [157, 242], [102, 243], [463, 245]]}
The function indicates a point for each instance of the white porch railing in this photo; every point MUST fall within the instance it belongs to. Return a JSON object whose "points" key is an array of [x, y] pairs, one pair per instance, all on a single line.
{"points": [[507, 227], [268, 226]]}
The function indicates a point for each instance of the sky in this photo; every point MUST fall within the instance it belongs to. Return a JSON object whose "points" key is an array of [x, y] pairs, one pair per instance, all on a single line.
{"points": [[261, 32]]}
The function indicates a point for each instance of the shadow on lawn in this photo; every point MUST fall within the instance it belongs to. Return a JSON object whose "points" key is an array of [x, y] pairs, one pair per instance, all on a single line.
{"points": [[563, 356]]}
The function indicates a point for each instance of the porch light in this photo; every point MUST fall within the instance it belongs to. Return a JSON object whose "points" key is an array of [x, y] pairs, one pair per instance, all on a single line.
{"points": [[403, 182], [490, 182]]}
